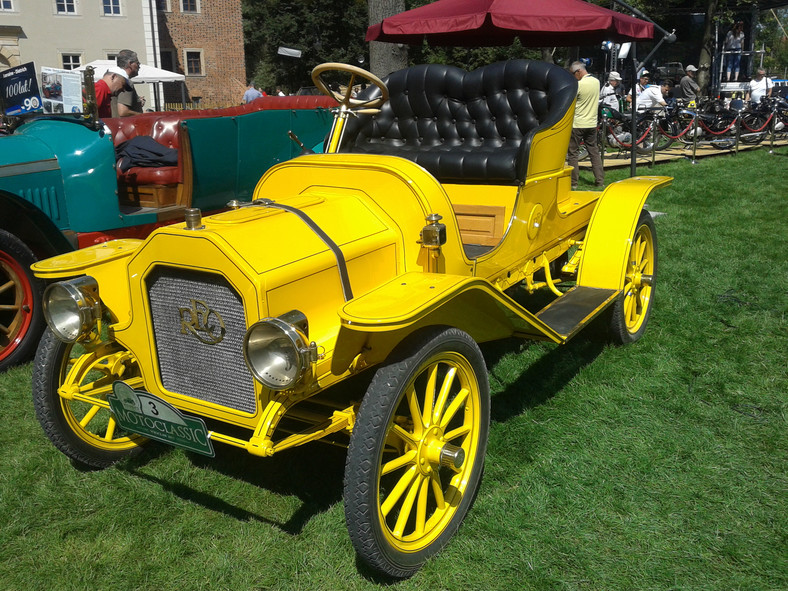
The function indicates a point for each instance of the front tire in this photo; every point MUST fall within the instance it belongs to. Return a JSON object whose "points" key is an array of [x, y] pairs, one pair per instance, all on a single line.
{"points": [[84, 431], [21, 317], [417, 450], [632, 310]]}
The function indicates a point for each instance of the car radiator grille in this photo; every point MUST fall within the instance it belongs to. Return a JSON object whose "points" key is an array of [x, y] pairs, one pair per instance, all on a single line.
{"points": [[199, 326]]}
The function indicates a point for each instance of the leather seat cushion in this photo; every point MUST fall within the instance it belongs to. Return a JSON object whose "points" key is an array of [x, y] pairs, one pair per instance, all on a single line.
{"points": [[465, 126]]}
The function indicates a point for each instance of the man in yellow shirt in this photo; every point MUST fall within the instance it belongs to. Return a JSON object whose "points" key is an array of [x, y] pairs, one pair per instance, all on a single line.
{"points": [[584, 125]]}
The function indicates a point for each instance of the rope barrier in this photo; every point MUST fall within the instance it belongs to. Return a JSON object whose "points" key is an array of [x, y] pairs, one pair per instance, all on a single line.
{"points": [[712, 132], [764, 126]]}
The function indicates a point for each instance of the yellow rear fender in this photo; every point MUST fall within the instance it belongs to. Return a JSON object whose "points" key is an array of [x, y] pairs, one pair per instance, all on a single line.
{"points": [[608, 240]]}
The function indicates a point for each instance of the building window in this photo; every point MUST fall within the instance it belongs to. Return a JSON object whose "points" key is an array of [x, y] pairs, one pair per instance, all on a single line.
{"points": [[193, 62], [163, 5], [168, 60], [111, 7], [112, 56], [71, 61], [6, 5], [66, 6], [190, 5]]}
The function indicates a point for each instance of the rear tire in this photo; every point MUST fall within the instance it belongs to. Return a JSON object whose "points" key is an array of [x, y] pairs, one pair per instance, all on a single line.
{"points": [[631, 312]]}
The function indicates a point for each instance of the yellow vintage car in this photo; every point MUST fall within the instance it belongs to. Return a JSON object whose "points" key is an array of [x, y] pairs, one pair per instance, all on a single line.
{"points": [[346, 301]]}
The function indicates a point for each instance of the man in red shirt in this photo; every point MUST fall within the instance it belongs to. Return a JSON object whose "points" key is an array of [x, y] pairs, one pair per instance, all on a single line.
{"points": [[113, 81]]}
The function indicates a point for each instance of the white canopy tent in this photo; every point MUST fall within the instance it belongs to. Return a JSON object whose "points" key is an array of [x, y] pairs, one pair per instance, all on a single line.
{"points": [[146, 75]]}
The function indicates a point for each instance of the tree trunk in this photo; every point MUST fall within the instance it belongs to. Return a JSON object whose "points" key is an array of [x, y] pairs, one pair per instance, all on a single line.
{"points": [[547, 54], [385, 58], [707, 47]]}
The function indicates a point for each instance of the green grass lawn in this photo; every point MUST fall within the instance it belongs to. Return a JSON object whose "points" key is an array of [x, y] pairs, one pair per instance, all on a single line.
{"points": [[661, 465]]}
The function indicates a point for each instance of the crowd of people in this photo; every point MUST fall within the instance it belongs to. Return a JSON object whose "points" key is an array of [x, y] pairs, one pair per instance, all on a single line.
{"points": [[115, 94], [591, 96], [255, 92]]}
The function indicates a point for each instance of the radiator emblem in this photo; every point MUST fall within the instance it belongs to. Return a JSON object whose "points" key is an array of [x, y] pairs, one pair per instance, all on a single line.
{"points": [[202, 322]]}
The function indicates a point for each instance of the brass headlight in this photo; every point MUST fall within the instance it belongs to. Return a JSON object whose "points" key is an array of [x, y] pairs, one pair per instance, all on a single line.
{"points": [[72, 308], [277, 350]]}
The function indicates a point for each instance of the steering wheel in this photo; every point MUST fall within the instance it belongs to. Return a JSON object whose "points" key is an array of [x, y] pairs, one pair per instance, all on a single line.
{"points": [[346, 99]]}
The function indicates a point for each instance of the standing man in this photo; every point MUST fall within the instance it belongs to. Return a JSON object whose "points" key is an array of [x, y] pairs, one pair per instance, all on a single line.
{"points": [[759, 87], [584, 125], [129, 102], [251, 94], [689, 88], [113, 81]]}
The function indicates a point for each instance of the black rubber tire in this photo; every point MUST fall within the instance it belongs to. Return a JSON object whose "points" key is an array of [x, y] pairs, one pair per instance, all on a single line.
{"points": [[620, 332], [20, 330], [48, 372], [365, 454], [751, 122], [723, 141]]}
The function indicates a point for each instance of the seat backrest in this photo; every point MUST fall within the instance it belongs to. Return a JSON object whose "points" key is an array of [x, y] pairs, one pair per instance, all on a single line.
{"points": [[466, 127]]}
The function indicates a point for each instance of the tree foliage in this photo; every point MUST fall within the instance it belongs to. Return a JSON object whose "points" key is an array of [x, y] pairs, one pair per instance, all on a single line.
{"points": [[334, 31], [323, 31]]}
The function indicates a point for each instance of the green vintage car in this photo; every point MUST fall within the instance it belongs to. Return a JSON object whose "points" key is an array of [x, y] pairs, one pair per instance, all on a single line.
{"points": [[60, 189]]}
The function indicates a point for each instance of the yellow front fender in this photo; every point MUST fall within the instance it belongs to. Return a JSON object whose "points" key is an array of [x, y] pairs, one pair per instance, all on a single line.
{"points": [[610, 231]]}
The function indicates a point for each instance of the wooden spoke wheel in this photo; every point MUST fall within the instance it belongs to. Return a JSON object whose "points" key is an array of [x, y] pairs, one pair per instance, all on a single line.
{"points": [[64, 375], [417, 451], [631, 312]]}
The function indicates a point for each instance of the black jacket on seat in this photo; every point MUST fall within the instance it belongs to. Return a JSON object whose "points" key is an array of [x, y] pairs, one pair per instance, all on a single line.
{"points": [[465, 127]]}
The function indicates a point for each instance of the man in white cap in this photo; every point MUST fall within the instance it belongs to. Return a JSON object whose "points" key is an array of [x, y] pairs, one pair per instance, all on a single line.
{"points": [[608, 96], [639, 87], [689, 88], [113, 81]]}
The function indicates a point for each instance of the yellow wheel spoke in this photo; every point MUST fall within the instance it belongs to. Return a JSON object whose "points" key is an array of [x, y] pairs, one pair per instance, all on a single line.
{"points": [[458, 432], [399, 462], [642, 244], [4, 329], [110, 429], [89, 416], [421, 506], [6, 286], [415, 411], [456, 404], [429, 395], [9, 307], [409, 439], [448, 380], [407, 507], [437, 490], [399, 489], [633, 308]]}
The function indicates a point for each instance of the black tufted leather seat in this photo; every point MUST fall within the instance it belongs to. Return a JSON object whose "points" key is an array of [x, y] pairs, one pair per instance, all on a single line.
{"points": [[465, 127]]}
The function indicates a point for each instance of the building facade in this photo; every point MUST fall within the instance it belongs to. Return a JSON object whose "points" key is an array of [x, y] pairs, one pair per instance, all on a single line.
{"points": [[202, 39]]}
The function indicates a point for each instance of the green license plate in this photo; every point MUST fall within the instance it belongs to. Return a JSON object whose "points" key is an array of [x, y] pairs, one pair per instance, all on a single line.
{"points": [[143, 413]]}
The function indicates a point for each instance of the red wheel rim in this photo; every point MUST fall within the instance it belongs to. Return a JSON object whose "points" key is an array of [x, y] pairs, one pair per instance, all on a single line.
{"points": [[16, 305]]}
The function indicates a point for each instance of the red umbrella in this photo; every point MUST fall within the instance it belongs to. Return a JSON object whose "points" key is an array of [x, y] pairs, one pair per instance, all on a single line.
{"points": [[537, 23]]}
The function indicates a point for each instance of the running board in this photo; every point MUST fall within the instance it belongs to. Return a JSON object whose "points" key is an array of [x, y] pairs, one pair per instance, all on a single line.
{"points": [[576, 308]]}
